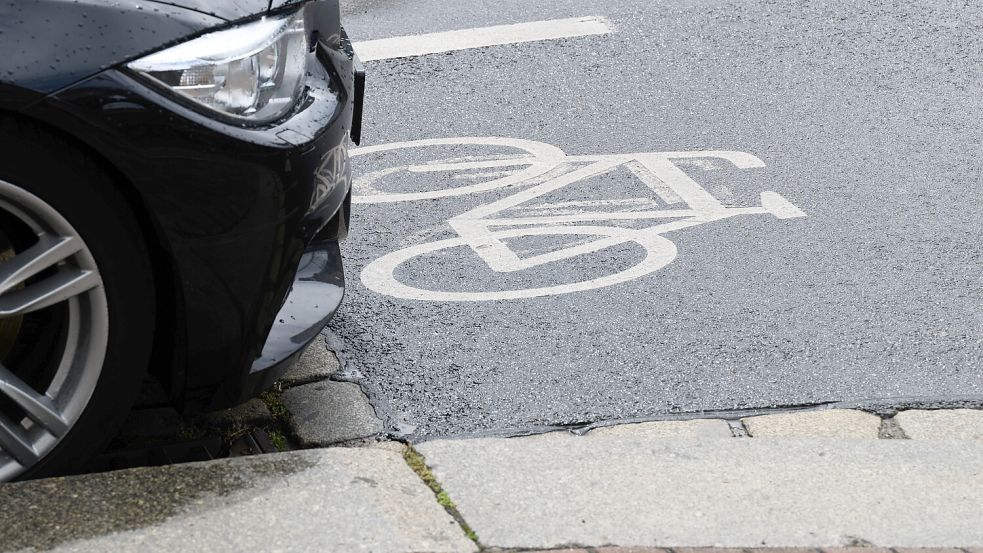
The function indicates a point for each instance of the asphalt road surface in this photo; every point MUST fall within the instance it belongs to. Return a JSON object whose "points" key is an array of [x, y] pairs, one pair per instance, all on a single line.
{"points": [[858, 276]]}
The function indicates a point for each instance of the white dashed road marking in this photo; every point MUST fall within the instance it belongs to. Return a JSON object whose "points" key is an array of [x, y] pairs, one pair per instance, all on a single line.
{"points": [[479, 37]]}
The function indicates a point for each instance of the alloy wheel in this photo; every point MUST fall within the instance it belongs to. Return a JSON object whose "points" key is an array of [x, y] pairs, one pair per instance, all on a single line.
{"points": [[55, 323]]}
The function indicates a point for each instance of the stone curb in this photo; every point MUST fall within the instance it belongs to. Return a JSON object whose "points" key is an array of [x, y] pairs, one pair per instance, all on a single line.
{"points": [[327, 413], [315, 364], [832, 423], [949, 424], [915, 424], [737, 550], [324, 412]]}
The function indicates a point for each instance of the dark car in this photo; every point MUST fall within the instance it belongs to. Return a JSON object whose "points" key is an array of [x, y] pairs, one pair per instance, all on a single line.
{"points": [[174, 179]]}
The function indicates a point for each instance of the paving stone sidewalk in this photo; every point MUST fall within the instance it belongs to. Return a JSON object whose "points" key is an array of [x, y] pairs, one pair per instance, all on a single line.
{"points": [[337, 499], [559, 489]]}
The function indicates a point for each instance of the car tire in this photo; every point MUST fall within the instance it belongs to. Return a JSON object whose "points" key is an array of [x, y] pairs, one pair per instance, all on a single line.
{"points": [[119, 313]]}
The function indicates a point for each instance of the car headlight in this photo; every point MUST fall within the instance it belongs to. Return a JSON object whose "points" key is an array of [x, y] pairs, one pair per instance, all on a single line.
{"points": [[253, 72]]}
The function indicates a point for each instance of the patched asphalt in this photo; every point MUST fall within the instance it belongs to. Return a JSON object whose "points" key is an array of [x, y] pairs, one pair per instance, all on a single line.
{"points": [[867, 116]]}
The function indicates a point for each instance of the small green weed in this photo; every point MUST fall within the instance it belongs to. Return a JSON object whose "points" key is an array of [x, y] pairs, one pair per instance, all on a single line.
{"points": [[418, 464], [274, 402], [278, 440], [191, 431]]}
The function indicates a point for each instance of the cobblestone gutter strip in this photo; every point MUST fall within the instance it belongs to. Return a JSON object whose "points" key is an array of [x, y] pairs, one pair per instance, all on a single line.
{"points": [[324, 411], [311, 406]]}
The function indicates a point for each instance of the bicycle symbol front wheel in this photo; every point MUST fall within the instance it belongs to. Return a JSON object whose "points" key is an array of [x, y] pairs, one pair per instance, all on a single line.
{"points": [[523, 159]]}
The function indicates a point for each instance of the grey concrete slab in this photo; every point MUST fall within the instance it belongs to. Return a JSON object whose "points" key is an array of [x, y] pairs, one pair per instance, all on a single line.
{"points": [[315, 364], [328, 412], [829, 423], [559, 489], [949, 424], [339, 500]]}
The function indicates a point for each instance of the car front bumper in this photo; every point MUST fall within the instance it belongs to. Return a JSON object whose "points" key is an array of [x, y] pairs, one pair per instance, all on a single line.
{"points": [[316, 293], [230, 213]]}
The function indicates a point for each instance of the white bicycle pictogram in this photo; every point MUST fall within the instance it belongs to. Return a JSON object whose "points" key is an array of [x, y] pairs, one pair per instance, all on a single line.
{"points": [[540, 169]]}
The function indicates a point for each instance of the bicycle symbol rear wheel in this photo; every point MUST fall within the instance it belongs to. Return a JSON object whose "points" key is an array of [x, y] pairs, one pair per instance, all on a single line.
{"points": [[380, 275]]}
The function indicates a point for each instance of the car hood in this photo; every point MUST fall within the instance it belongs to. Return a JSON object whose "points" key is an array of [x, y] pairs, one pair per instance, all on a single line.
{"points": [[229, 10]]}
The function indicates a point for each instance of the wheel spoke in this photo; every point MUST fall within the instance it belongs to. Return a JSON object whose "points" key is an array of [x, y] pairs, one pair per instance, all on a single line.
{"points": [[38, 407], [14, 443], [48, 251], [66, 283], [59, 275]]}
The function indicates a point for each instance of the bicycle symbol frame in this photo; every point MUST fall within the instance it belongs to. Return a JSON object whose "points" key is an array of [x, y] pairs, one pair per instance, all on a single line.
{"points": [[549, 169]]}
